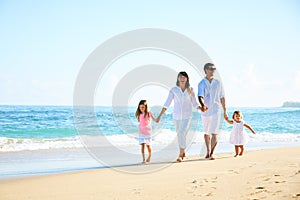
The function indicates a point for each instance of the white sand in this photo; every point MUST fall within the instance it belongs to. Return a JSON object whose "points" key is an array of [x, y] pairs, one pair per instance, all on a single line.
{"points": [[261, 174]]}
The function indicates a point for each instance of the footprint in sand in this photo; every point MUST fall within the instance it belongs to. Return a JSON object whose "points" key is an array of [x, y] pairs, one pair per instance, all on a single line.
{"points": [[136, 191], [276, 175], [259, 190], [297, 172], [276, 193], [296, 195], [252, 165], [209, 194], [233, 171], [280, 181]]}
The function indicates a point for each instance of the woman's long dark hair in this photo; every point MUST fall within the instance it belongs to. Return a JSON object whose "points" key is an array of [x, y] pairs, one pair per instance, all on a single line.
{"points": [[187, 84]]}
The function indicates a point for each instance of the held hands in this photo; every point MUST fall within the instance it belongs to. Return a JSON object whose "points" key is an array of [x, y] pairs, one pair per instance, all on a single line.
{"points": [[157, 119], [225, 116], [203, 108]]}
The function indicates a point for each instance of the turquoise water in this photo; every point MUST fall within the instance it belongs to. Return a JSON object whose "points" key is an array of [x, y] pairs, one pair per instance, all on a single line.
{"points": [[55, 122], [45, 139]]}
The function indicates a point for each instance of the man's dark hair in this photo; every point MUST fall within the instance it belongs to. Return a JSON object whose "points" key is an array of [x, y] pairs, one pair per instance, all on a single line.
{"points": [[207, 65]]}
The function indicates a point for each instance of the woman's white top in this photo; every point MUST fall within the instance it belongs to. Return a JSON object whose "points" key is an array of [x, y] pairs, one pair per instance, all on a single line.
{"points": [[183, 103]]}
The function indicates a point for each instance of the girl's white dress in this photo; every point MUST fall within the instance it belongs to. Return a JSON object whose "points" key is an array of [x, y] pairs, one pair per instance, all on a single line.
{"points": [[238, 134]]}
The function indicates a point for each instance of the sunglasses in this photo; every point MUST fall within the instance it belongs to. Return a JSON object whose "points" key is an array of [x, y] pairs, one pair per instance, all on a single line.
{"points": [[211, 69]]}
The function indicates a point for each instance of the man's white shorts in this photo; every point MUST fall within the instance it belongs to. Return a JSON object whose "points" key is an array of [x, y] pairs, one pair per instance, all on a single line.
{"points": [[211, 123]]}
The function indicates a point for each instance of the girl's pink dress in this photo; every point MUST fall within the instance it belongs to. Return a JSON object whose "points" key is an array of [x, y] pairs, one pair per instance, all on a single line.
{"points": [[145, 129]]}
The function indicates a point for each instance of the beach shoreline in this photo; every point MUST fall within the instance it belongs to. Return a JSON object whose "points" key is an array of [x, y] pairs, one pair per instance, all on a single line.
{"points": [[21, 164], [259, 174]]}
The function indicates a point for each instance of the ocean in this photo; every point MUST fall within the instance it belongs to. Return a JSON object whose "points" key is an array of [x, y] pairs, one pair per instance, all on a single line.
{"points": [[51, 139]]}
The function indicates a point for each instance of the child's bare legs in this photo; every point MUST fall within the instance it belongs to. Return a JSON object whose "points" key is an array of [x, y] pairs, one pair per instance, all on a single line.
{"points": [[149, 152], [236, 148], [143, 151], [242, 150]]}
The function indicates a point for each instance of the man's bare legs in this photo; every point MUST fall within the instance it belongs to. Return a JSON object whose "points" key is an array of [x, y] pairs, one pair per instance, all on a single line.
{"points": [[214, 142], [207, 143], [210, 145]]}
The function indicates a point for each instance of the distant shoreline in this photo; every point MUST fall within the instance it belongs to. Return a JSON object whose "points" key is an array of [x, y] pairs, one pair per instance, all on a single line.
{"points": [[291, 104]]}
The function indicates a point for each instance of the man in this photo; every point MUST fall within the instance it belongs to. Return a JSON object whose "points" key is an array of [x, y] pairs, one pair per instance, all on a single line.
{"points": [[211, 97]]}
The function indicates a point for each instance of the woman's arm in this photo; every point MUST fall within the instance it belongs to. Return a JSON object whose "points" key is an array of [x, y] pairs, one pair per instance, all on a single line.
{"points": [[166, 105], [163, 110], [153, 118], [193, 99], [169, 99], [224, 108]]}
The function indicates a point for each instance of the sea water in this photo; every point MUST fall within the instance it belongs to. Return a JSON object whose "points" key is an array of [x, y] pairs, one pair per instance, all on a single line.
{"points": [[51, 139]]}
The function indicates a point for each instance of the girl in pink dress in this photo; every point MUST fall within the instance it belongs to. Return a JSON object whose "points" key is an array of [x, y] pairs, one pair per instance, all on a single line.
{"points": [[143, 116], [238, 136]]}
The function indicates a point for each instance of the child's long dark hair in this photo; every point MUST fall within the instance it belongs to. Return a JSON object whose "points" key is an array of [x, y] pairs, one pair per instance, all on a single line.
{"points": [[138, 111]]}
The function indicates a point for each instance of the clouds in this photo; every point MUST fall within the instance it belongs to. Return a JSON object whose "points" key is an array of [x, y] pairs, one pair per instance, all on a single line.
{"points": [[295, 87], [251, 86], [297, 80], [35, 92], [43, 51], [105, 89]]}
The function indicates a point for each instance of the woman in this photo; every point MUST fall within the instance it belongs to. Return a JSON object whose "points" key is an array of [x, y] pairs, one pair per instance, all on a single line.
{"points": [[184, 100]]}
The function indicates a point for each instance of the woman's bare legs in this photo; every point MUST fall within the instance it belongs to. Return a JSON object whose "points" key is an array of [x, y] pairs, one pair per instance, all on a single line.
{"points": [[181, 155]]}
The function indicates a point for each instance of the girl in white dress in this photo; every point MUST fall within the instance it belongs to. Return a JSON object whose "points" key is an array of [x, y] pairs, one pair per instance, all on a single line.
{"points": [[238, 136]]}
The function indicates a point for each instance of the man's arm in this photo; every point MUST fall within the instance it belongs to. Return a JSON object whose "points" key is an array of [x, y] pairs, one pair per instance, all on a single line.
{"points": [[224, 108], [203, 107]]}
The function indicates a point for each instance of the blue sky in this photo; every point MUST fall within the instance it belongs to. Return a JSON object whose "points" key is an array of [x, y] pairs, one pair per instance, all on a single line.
{"points": [[254, 44]]}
